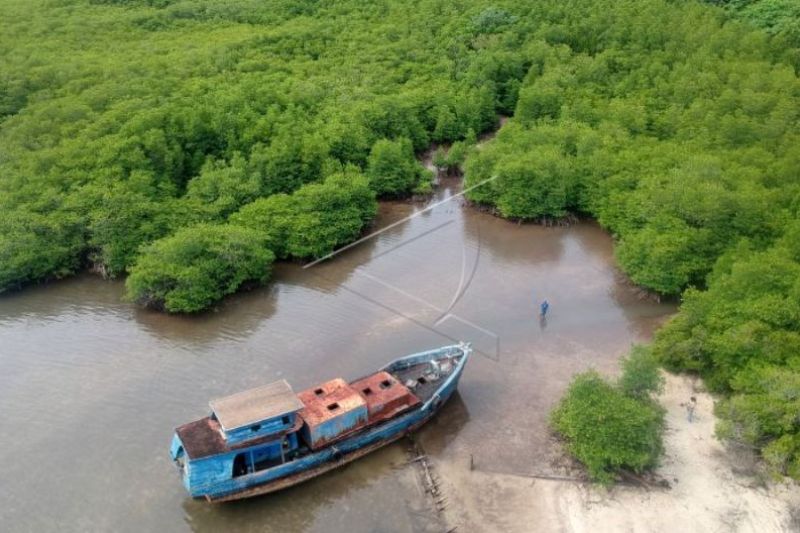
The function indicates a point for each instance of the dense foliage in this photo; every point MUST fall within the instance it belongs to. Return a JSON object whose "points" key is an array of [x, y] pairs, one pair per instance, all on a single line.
{"points": [[193, 268], [122, 122], [682, 140], [779, 17], [743, 336], [392, 169], [197, 266], [314, 220], [613, 427]]}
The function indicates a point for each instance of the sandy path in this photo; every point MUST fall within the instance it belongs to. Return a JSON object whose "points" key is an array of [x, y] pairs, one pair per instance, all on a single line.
{"points": [[711, 490]]}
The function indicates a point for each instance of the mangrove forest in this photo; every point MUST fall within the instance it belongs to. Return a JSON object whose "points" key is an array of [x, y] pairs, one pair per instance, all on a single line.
{"points": [[186, 145]]}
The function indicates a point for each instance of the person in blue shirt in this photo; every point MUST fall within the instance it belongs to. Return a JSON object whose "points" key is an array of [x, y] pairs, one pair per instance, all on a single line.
{"points": [[543, 308]]}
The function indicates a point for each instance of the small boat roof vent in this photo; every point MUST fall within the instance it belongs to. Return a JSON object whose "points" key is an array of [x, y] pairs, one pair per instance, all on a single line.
{"points": [[255, 405]]}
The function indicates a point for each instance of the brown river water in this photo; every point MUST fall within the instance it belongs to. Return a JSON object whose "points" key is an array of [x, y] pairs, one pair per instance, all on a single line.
{"points": [[92, 387]]}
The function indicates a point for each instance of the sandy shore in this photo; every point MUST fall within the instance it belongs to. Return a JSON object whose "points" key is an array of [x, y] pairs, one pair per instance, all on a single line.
{"points": [[712, 490]]}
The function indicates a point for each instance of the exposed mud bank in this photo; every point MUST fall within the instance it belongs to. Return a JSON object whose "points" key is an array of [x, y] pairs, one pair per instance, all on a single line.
{"points": [[711, 489]]}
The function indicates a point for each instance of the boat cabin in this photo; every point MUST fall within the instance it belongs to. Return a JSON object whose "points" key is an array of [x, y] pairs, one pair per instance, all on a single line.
{"points": [[255, 413], [330, 411], [245, 433]]}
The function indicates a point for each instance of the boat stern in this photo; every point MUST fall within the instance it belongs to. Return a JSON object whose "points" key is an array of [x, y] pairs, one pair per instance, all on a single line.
{"points": [[177, 453]]}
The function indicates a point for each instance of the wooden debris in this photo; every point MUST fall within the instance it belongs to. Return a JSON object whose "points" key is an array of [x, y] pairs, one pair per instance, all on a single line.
{"points": [[429, 481]]}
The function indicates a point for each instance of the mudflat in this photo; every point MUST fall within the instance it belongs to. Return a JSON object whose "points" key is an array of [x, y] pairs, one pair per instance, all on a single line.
{"points": [[711, 488]]}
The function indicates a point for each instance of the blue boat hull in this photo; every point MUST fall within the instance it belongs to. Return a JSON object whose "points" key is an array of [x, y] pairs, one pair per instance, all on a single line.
{"points": [[342, 451]]}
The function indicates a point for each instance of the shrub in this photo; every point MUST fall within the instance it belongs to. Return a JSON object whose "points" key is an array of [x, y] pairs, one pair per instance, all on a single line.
{"points": [[290, 160], [198, 265], [606, 430], [492, 19], [743, 336], [330, 214], [641, 375], [440, 159], [273, 217], [314, 220], [453, 159], [392, 169], [223, 187], [35, 246], [763, 412], [457, 154], [532, 187], [666, 255], [124, 218]]}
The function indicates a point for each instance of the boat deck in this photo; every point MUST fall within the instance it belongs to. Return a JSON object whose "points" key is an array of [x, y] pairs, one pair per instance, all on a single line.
{"points": [[421, 379]]}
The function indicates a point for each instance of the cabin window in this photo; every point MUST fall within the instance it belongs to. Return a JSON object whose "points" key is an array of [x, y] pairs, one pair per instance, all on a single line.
{"points": [[367, 391], [255, 428], [385, 384], [179, 456], [265, 457], [333, 406], [240, 465], [319, 392], [285, 420]]}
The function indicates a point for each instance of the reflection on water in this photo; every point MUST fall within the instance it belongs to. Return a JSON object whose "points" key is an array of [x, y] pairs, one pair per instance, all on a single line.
{"points": [[445, 428], [91, 387], [332, 502]]}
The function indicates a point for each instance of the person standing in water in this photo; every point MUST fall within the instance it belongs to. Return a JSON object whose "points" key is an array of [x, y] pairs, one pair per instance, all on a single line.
{"points": [[543, 309]]}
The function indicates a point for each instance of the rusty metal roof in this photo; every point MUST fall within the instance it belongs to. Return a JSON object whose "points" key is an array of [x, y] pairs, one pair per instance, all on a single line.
{"points": [[201, 438], [255, 405], [385, 396], [318, 400]]}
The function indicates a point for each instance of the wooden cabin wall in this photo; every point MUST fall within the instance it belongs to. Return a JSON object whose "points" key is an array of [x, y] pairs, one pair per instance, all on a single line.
{"points": [[261, 429]]}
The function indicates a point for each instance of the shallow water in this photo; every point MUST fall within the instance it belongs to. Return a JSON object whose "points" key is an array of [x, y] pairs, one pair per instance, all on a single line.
{"points": [[91, 387]]}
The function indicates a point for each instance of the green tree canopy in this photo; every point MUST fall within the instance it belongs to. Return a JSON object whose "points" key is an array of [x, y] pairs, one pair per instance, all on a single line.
{"points": [[392, 169], [607, 430], [198, 265]]}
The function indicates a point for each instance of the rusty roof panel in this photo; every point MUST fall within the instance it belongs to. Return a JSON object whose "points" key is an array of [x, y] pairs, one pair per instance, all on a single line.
{"points": [[385, 396], [332, 409], [201, 438], [317, 401]]}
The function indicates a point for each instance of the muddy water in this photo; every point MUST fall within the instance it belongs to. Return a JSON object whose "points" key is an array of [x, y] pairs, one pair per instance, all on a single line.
{"points": [[91, 387]]}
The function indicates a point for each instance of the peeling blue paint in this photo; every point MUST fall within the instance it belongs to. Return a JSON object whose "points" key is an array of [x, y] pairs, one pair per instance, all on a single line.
{"points": [[261, 429]]}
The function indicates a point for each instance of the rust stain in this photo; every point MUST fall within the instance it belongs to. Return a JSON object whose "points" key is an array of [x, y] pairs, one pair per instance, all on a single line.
{"points": [[384, 395], [332, 411], [319, 401]]}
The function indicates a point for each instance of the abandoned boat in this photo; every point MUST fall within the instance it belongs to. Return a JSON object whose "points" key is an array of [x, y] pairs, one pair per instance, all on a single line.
{"points": [[270, 438]]}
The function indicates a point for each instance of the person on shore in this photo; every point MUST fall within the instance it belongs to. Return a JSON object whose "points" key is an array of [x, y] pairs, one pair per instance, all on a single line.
{"points": [[690, 407], [543, 308]]}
